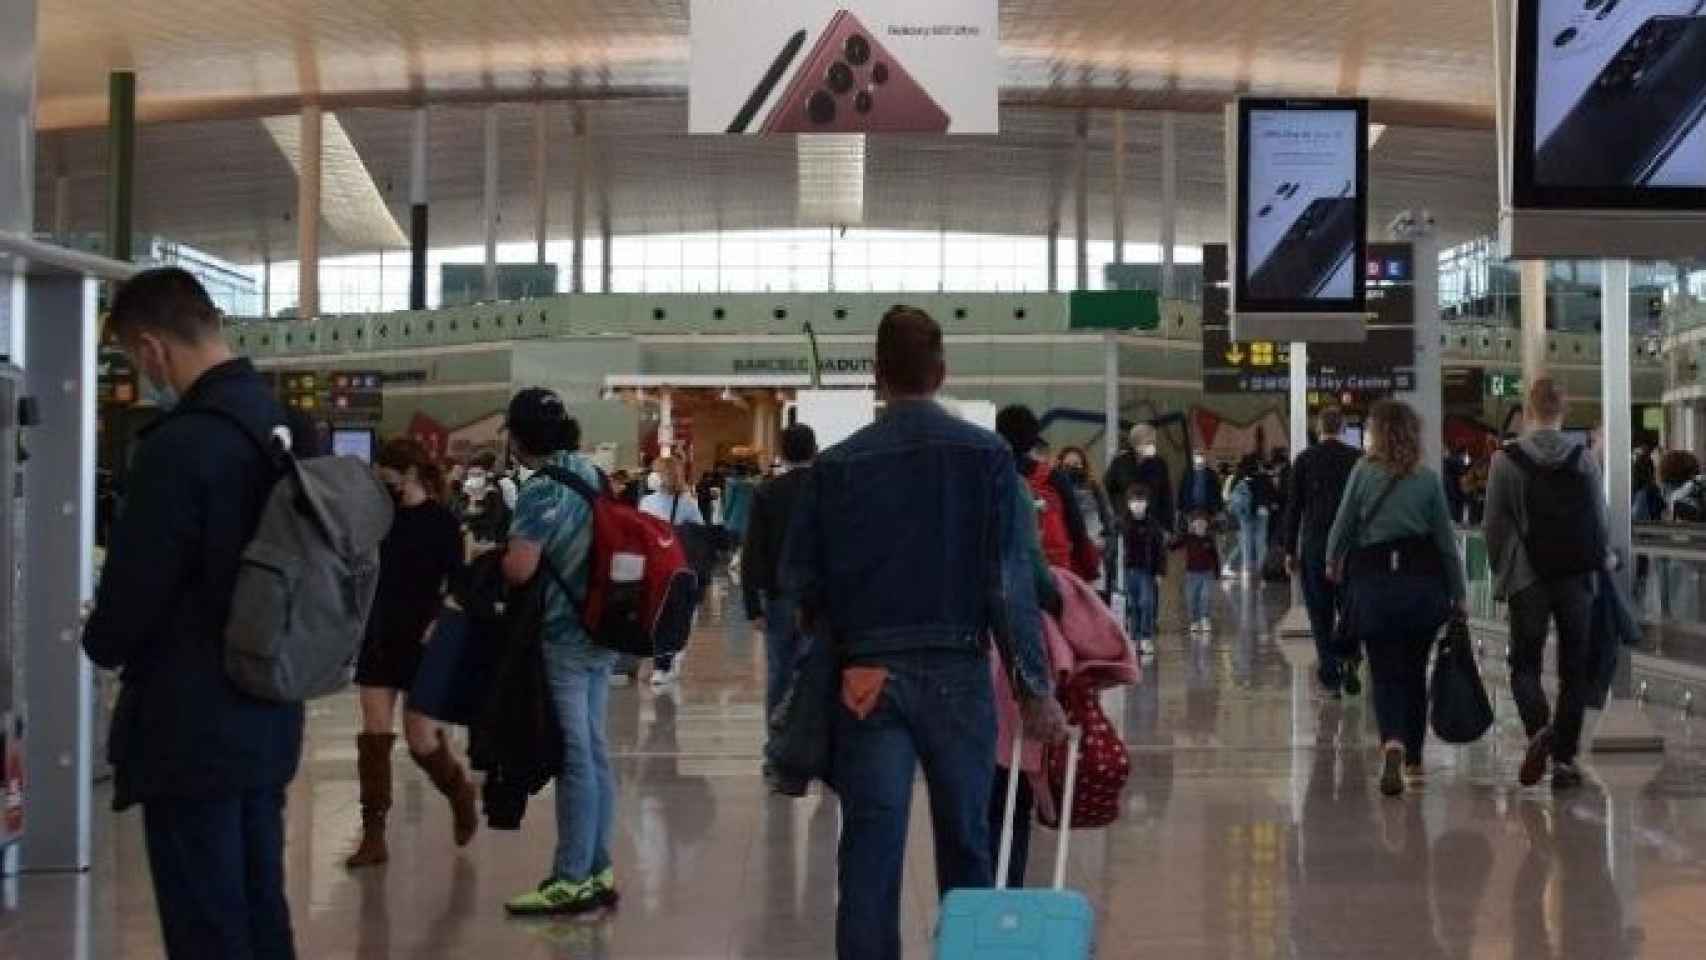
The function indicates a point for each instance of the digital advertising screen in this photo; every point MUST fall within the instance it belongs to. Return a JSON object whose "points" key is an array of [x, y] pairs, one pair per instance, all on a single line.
{"points": [[1302, 206], [844, 66], [1610, 104], [357, 443]]}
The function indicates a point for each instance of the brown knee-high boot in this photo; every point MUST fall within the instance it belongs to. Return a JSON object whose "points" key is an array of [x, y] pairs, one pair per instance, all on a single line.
{"points": [[373, 762], [451, 779]]}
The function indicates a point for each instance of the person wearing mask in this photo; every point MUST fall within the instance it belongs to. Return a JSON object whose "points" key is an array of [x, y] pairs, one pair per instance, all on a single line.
{"points": [[774, 611], [1544, 563], [418, 560], [552, 536], [1456, 473], [1060, 527], [673, 502], [208, 763], [1199, 488], [1142, 463], [1145, 564], [1093, 505], [1202, 571], [1394, 547], [1318, 484], [906, 548], [484, 512], [1251, 504]]}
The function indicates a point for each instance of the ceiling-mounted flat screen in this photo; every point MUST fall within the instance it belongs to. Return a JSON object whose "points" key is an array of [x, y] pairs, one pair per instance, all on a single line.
{"points": [[1610, 105], [1302, 206]]}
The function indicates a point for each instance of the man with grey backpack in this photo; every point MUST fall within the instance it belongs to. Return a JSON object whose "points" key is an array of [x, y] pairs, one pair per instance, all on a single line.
{"points": [[1546, 539], [237, 584]]}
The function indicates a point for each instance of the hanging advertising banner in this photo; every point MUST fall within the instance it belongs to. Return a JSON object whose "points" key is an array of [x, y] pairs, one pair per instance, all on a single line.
{"points": [[1300, 216], [844, 66]]}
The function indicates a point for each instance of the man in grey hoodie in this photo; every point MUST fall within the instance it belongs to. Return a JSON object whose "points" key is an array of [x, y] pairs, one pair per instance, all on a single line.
{"points": [[1546, 591]]}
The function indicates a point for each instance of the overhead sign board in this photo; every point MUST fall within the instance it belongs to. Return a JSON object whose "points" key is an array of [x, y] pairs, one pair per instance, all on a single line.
{"points": [[844, 66], [1300, 213], [1383, 363]]}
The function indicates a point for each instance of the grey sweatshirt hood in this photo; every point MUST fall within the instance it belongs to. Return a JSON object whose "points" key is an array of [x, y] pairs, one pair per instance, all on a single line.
{"points": [[1548, 447]]}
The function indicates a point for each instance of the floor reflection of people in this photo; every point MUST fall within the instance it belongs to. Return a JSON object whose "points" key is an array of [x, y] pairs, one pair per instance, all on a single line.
{"points": [[1565, 904]]}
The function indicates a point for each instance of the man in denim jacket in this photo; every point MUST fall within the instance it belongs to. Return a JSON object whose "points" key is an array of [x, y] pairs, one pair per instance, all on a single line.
{"points": [[905, 551]]}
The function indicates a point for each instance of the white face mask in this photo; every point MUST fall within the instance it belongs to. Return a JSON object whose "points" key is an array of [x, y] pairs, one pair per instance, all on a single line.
{"points": [[1147, 450], [1139, 507], [1200, 461], [474, 485], [654, 481], [1199, 527]]}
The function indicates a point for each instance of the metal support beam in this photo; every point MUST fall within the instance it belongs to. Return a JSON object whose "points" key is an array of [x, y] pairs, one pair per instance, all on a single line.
{"points": [[1428, 399], [606, 266], [1614, 402], [1081, 201], [121, 162], [1169, 199], [1054, 254], [308, 214], [1119, 186], [266, 287], [577, 256], [419, 238], [489, 205], [1299, 397], [541, 193], [1534, 358]]}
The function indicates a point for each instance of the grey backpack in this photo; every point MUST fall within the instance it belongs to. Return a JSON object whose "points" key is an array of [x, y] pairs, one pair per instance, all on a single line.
{"points": [[308, 577]]}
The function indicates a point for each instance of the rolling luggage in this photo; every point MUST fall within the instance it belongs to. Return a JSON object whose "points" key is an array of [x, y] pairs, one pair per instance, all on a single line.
{"points": [[1053, 924]]}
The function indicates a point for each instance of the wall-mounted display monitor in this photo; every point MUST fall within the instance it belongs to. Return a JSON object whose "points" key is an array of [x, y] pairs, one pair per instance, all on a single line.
{"points": [[1610, 105], [1351, 436], [357, 442], [1302, 206]]}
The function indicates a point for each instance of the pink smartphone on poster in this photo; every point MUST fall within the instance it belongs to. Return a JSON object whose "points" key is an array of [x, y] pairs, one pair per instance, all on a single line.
{"points": [[850, 83]]}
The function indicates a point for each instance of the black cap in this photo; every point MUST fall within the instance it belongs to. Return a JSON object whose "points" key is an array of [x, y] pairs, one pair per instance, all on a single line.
{"points": [[536, 419]]}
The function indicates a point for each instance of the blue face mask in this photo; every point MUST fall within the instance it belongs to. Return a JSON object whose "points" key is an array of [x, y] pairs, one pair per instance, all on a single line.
{"points": [[164, 398]]}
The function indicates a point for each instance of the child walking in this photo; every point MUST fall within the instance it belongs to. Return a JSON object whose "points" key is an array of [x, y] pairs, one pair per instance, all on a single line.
{"points": [[1145, 562], [1202, 569]]}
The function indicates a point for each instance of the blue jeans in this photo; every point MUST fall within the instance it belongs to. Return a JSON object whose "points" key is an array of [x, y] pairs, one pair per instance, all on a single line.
{"points": [[218, 869], [1253, 543], [1321, 599], [1143, 601], [937, 709], [1199, 594], [1396, 618], [586, 791], [783, 647]]}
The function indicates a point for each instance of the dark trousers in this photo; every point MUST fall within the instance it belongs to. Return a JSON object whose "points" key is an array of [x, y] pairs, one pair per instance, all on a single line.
{"points": [[218, 867], [1321, 598], [1396, 620], [1023, 803], [1569, 604], [936, 709], [784, 645]]}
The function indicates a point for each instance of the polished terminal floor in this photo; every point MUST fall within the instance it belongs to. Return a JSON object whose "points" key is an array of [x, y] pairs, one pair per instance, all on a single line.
{"points": [[1251, 829]]}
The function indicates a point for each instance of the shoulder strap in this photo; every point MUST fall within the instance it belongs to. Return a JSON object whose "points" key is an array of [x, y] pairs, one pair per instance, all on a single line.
{"points": [[1363, 520], [273, 452], [573, 481]]}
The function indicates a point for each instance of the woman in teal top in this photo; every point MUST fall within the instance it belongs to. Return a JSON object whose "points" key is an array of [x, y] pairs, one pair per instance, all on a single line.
{"points": [[1393, 545]]}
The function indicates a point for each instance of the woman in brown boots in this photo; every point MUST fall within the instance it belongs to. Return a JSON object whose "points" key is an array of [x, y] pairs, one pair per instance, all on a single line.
{"points": [[416, 563]]}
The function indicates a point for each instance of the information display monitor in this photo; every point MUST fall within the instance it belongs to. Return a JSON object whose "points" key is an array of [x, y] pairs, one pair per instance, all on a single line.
{"points": [[358, 442]]}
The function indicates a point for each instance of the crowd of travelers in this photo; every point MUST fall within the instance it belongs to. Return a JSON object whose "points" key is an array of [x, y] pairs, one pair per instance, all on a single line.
{"points": [[931, 595]]}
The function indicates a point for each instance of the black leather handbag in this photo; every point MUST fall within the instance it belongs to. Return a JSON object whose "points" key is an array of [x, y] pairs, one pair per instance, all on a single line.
{"points": [[1460, 710]]}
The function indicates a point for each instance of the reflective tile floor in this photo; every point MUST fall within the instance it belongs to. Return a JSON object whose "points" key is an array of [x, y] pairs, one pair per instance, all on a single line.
{"points": [[1251, 829]]}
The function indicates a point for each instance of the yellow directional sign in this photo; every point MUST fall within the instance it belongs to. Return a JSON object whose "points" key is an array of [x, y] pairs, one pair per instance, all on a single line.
{"points": [[1235, 355], [1261, 354]]}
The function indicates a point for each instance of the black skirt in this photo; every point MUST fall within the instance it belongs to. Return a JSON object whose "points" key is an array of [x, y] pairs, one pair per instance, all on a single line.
{"points": [[389, 662]]}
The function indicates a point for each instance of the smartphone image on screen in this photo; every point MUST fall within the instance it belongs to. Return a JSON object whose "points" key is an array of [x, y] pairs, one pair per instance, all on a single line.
{"points": [[1643, 103], [1312, 251], [849, 83]]}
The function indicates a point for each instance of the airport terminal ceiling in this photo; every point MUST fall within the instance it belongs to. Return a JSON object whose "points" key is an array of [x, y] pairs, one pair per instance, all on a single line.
{"points": [[209, 175]]}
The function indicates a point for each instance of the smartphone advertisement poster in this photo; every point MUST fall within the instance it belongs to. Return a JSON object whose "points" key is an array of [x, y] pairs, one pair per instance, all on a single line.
{"points": [[1618, 97], [836, 66], [1301, 205]]}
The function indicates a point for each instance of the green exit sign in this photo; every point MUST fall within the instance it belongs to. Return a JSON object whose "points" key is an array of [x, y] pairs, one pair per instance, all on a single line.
{"points": [[1114, 310], [1504, 386]]}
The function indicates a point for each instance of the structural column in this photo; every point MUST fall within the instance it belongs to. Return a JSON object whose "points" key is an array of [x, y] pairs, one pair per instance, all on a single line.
{"points": [[489, 207], [605, 266], [1299, 406], [541, 193], [418, 237], [308, 214], [1614, 402], [1534, 358], [121, 162], [1054, 253], [1081, 204], [577, 256], [1119, 187], [1169, 199], [1430, 381]]}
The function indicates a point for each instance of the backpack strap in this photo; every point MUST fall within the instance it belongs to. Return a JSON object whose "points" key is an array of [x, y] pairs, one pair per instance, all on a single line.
{"points": [[273, 452], [573, 481]]}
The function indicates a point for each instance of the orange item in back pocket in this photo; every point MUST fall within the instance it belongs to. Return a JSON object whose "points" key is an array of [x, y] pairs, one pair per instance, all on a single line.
{"points": [[861, 688]]}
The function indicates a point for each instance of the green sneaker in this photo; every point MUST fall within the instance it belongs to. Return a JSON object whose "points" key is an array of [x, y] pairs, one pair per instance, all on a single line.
{"points": [[605, 883], [556, 898]]}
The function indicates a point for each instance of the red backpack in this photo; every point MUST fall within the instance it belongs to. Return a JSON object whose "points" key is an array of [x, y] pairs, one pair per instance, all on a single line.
{"points": [[1104, 766], [640, 591]]}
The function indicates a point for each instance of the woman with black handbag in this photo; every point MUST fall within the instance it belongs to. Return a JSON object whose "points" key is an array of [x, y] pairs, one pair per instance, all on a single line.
{"points": [[1393, 546]]}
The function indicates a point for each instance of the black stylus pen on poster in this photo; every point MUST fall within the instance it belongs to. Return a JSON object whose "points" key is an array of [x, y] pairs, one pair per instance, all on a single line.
{"points": [[772, 76]]}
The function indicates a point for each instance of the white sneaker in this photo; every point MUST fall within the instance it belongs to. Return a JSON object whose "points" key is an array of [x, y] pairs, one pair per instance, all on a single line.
{"points": [[1146, 647], [664, 679], [1205, 627]]}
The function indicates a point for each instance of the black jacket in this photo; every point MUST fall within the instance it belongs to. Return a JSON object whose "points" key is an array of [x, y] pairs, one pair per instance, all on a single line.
{"points": [[515, 739], [196, 489], [766, 529], [1317, 485], [1127, 471]]}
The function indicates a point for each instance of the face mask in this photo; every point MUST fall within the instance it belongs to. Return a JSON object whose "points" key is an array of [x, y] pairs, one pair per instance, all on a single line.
{"points": [[1199, 527], [654, 481], [522, 474], [1200, 461], [163, 398], [1075, 471], [1147, 450], [1139, 507]]}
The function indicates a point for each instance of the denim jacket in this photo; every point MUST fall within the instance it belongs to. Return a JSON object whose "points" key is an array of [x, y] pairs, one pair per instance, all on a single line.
{"points": [[908, 536]]}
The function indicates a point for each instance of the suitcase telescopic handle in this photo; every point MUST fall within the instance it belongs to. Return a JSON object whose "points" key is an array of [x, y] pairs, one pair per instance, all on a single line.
{"points": [[1005, 860]]}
